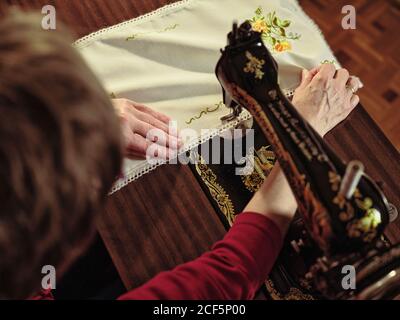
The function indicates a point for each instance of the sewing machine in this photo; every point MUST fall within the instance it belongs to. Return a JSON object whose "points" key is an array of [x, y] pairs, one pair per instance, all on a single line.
{"points": [[335, 247]]}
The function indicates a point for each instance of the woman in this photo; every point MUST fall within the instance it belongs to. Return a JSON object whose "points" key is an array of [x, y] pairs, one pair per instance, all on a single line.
{"points": [[61, 149]]}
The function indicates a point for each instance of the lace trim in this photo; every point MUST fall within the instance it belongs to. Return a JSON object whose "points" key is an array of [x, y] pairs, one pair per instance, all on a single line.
{"points": [[138, 172], [82, 42], [146, 167]]}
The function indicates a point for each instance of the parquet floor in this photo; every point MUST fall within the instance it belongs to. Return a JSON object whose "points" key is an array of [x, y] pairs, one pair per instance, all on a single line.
{"points": [[372, 52]]}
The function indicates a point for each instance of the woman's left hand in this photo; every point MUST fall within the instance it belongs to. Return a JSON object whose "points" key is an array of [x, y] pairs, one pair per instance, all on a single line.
{"points": [[143, 127]]}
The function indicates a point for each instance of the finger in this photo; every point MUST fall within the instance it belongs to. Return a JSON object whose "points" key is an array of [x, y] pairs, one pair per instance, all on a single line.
{"points": [[314, 71], [156, 135], [150, 119], [134, 156], [360, 83], [142, 148], [137, 146], [342, 77], [308, 75], [160, 137], [156, 153], [354, 83], [144, 128], [354, 101], [306, 78], [324, 75], [170, 129], [158, 115]]}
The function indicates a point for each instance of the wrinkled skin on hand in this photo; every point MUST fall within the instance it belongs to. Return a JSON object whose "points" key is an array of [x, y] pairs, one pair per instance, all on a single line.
{"points": [[325, 96]]}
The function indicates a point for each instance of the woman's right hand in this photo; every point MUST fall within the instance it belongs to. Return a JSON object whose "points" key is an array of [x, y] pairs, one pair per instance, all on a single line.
{"points": [[326, 97], [137, 121]]}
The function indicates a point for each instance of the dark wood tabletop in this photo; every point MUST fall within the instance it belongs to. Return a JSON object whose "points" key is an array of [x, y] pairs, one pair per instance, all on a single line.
{"points": [[164, 219]]}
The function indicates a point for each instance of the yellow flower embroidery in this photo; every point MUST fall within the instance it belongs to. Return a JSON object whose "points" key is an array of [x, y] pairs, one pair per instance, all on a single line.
{"points": [[273, 30], [283, 46], [260, 26]]}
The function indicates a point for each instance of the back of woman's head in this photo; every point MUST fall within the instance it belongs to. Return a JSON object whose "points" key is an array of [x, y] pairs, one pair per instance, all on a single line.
{"points": [[60, 151]]}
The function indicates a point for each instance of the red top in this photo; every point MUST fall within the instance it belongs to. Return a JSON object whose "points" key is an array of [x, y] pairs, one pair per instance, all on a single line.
{"points": [[234, 269]]}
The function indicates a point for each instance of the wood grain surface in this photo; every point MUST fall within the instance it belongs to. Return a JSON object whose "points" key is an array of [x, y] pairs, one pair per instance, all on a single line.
{"points": [[164, 219], [158, 222]]}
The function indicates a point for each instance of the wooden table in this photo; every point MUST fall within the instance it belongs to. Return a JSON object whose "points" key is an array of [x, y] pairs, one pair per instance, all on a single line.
{"points": [[164, 218]]}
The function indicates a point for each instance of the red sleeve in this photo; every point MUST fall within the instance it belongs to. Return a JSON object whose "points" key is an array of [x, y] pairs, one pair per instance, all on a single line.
{"points": [[43, 295], [234, 269]]}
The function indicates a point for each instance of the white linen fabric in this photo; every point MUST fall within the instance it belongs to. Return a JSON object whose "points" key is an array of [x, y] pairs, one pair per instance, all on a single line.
{"points": [[166, 59]]}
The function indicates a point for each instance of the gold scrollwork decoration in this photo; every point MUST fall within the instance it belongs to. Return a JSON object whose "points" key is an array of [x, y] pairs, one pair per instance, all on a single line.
{"points": [[334, 180], [264, 160], [225, 204], [217, 192], [254, 65], [293, 294], [205, 111], [364, 227]]}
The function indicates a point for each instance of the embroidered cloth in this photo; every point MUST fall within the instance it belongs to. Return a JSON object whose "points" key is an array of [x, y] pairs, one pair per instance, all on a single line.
{"points": [[166, 59]]}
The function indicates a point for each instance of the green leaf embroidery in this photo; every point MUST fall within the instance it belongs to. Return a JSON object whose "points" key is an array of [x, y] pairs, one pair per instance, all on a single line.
{"points": [[166, 29], [273, 30]]}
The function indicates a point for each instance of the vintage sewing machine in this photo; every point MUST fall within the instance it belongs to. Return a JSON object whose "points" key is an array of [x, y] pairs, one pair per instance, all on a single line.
{"points": [[338, 233]]}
